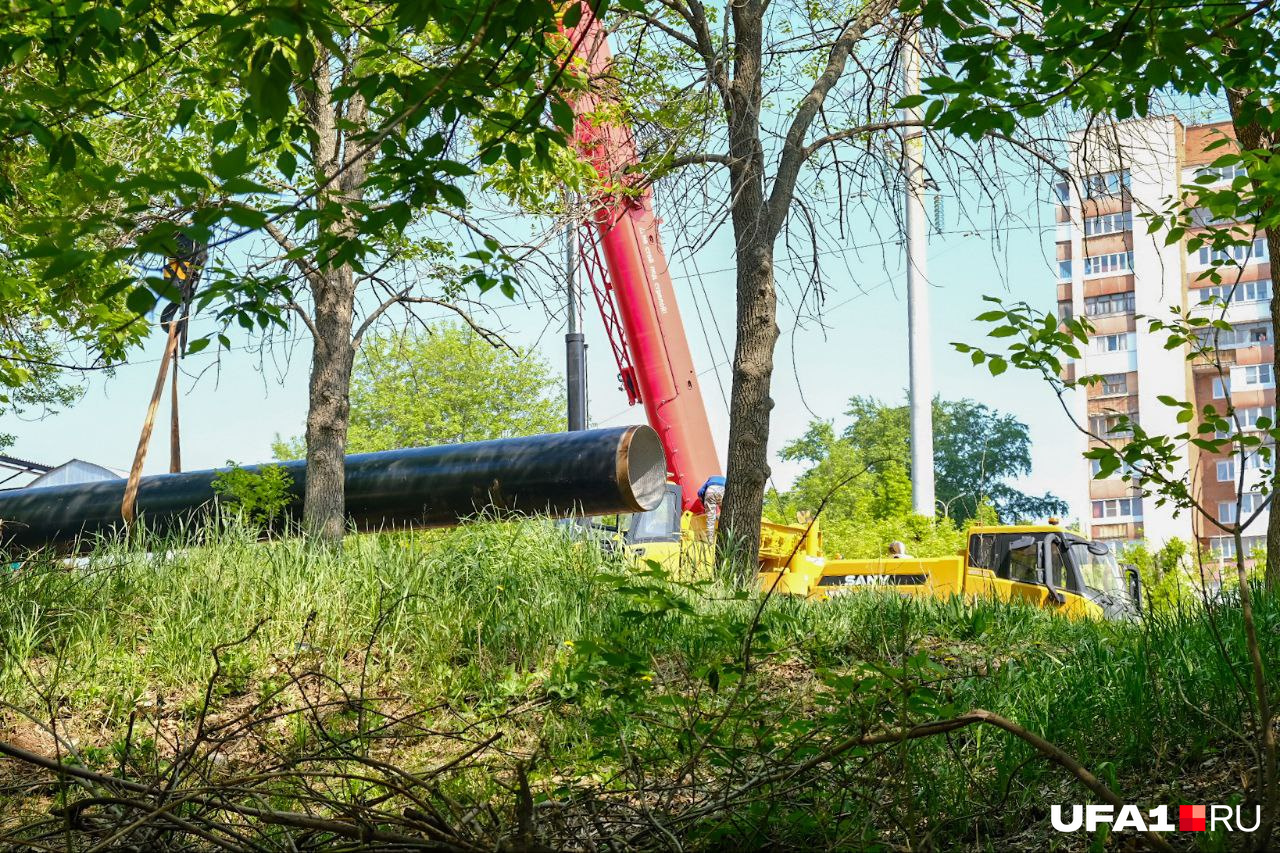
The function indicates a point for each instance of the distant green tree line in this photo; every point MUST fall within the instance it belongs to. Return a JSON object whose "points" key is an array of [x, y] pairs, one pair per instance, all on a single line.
{"points": [[978, 451]]}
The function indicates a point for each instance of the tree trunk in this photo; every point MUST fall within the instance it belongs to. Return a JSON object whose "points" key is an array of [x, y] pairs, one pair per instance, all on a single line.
{"points": [[756, 327], [340, 172], [750, 408], [1252, 136], [328, 413]]}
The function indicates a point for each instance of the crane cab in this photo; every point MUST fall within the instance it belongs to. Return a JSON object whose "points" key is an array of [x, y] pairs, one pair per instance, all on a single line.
{"points": [[672, 537], [1051, 567]]}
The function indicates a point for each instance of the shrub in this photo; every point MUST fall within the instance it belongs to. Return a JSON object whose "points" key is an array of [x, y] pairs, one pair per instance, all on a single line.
{"points": [[261, 496]]}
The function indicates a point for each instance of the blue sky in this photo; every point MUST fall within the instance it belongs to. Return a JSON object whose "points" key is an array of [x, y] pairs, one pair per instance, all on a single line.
{"points": [[234, 410]]}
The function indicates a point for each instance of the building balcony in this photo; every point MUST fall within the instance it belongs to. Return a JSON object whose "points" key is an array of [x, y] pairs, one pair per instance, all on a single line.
{"points": [[1210, 362], [1237, 312]]}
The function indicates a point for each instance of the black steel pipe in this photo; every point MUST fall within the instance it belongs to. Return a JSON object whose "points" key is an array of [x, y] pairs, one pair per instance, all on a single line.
{"points": [[592, 472]]}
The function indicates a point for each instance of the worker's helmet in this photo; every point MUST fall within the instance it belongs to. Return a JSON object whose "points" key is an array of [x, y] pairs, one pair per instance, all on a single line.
{"points": [[896, 547]]}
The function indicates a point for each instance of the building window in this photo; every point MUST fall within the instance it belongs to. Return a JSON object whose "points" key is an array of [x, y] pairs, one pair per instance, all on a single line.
{"points": [[1255, 251], [1245, 335], [1248, 419], [1218, 174], [1257, 375], [1202, 218], [1063, 192], [1064, 269], [1115, 384], [1106, 184], [1244, 291], [1109, 264], [1124, 470], [1121, 342], [1109, 423], [1118, 508], [1111, 303], [1250, 502], [1224, 547], [1064, 312], [1111, 223], [1254, 461], [1221, 387]]}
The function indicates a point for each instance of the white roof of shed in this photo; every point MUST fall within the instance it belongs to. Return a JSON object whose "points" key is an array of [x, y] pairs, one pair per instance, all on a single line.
{"points": [[74, 471]]}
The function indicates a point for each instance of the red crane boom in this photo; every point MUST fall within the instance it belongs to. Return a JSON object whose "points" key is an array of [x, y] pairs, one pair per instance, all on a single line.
{"points": [[633, 285]]}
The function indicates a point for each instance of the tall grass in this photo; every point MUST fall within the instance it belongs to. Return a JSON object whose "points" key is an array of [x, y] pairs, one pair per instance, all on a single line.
{"points": [[489, 616], [447, 611]]}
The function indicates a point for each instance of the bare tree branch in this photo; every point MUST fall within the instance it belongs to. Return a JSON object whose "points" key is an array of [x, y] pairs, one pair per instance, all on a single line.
{"points": [[306, 318], [860, 130], [793, 155], [403, 298]]}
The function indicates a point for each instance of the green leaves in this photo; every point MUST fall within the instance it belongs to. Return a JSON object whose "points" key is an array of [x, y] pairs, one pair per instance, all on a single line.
{"points": [[202, 117], [140, 300], [287, 164], [1100, 57], [232, 163]]}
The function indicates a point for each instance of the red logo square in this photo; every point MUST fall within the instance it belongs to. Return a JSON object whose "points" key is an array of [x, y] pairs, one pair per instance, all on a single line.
{"points": [[1191, 818]]}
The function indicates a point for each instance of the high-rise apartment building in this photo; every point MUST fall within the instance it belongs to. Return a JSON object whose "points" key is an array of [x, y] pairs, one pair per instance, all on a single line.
{"points": [[1112, 270]]}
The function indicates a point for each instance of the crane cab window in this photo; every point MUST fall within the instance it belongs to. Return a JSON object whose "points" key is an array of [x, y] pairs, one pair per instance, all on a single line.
{"points": [[992, 551], [988, 550], [1063, 578], [1023, 564], [660, 524]]}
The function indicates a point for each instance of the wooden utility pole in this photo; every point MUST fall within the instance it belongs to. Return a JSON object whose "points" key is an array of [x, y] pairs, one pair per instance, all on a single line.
{"points": [[184, 268], [175, 439], [128, 509]]}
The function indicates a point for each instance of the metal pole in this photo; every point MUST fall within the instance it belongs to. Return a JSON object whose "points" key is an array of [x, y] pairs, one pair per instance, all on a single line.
{"points": [[919, 335], [574, 341]]}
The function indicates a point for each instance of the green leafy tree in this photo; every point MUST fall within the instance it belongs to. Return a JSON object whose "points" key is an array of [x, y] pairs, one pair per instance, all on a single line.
{"points": [[319, 136], [695, 81], [780, 117], [62, 316], [1114, 60], [977, 450], [1118, 59], [1155, 464], [444, 385]]}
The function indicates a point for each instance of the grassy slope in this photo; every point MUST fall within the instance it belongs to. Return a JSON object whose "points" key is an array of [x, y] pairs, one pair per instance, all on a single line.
{"points": [[513, 629]]}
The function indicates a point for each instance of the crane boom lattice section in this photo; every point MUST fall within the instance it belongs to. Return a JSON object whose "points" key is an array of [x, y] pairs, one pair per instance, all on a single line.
{"points": [[602, 289]]}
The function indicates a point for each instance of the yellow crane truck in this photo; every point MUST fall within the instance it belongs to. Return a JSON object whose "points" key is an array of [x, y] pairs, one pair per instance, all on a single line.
{"points": [[1040, 564]]}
